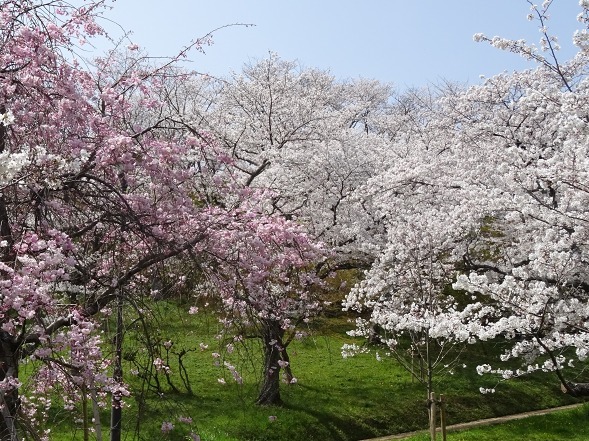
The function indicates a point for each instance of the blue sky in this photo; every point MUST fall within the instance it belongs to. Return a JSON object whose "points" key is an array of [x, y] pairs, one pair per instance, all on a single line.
{"points": [[406, 42]]}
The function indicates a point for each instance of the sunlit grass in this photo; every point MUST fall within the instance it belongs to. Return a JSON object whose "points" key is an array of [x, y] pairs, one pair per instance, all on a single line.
{"points": [[334, 399], [569, 425]]}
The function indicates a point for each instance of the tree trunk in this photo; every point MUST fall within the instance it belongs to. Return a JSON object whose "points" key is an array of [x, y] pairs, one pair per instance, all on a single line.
{"points": [[272, 334], [287, 369], [576, 389], [9, 400], [116, 411], [9, 350]]}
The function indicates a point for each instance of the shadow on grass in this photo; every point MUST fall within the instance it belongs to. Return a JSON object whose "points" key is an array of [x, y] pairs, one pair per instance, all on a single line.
{"points": [[355, 410]]}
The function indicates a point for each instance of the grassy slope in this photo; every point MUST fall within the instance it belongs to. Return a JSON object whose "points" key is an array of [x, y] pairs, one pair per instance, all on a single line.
{"points": [[335, 398], [570, 425]]}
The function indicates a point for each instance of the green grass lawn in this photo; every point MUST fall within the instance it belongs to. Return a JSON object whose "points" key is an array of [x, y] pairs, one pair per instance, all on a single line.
{"points": [[569, 425], [334, 399]]}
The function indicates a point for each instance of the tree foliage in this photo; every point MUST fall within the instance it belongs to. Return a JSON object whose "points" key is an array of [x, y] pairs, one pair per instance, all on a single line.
{"points": [[499, 196], [132, 179], [95, 199]]}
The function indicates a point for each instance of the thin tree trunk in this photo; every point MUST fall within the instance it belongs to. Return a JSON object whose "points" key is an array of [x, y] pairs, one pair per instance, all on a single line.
{"points": [[9, 400], [116, 415], [9, 356]]}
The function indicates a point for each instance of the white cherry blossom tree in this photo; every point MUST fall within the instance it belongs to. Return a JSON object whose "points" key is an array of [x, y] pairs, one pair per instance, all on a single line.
{"points": [[507, 168]]}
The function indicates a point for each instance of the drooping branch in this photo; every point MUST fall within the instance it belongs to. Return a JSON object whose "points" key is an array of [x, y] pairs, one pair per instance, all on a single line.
{"points": [[93, 306]]}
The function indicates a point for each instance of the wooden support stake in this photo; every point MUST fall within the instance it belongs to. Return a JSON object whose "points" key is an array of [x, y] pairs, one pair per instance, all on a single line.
{"points": [[443, 416], [432, 416]]}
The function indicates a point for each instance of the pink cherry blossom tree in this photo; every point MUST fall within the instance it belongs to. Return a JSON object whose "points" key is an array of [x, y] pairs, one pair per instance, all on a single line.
{"points": [[93, 199], [306, 142]]}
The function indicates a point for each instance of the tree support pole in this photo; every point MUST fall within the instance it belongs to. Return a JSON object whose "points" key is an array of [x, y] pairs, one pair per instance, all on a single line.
{"points": [[432, 416], [443, 416]]}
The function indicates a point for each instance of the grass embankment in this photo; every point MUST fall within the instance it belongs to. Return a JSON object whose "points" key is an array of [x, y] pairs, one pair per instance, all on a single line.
{"points": [[334, 399]]}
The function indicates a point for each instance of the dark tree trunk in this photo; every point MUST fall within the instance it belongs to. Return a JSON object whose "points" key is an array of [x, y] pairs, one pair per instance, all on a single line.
{"points": [[9, 350], [576, 389], [116, 413], [9, 401], [272, 334]]}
